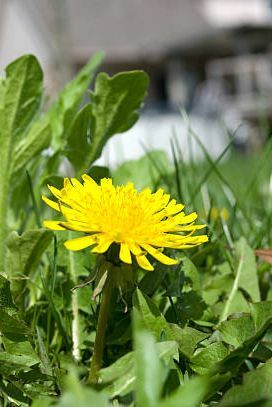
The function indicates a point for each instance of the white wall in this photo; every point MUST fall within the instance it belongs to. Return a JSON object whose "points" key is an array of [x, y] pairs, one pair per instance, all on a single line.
{"points": [[20, 35], [230, 13]]}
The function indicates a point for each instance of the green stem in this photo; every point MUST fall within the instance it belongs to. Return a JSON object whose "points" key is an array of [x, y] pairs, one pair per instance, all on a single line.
{"points": [[101, 330], [75, 311], [234, 289]]}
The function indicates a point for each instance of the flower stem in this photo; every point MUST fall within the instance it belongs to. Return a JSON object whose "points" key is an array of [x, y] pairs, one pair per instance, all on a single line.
{"points": [[101, 330]]}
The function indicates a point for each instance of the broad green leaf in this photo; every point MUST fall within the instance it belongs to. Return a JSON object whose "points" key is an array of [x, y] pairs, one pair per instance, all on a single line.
{"points": [[26, 249], [122, 373], [11, 324], [76, 394], [6, 301], [149, 370], [152, 318], [262, 318], [63, 111], [9, 364], [18, 344], [15, 333], [191, 274], [236, 331], [118, 369], [205, 360], [23, 93], [242, 328], [262, 314], [256, 389], [20, 102], [190, 394], [98, 172], [36, 140], [190, 306], [77, 139], [25, 252], [187, 338], [115, 103]]}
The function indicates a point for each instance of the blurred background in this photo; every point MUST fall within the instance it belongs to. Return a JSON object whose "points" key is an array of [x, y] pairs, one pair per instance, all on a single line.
{"points": [[212, 58]]}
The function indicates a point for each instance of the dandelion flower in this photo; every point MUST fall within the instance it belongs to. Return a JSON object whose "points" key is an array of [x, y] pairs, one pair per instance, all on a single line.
{"points": [[141, 223]]}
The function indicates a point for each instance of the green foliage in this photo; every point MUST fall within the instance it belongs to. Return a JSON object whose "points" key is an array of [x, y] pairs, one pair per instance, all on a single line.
{"points": [[195, 334], [113, 109], [256, 389], [63, 111], [149, 371]]}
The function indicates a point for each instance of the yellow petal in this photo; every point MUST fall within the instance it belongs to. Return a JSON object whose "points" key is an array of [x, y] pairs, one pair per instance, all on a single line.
{"points": [[173, 208], [88, 180], [188, 242], [158, 255], [55, 191], [181, 219], [124, 254], [135, 249], [76, 226], [103, 246], [53, 225], [80, 242], [76, 184], [185, 228], [50, 203], [144, 263], [106, 183]]}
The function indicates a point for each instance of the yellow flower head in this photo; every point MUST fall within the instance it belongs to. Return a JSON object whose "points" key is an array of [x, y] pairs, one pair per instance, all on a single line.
{"points": [[140, 222]]}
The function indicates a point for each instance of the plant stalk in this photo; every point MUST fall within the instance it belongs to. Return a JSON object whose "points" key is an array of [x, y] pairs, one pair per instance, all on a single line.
{"points": [[234, 289], [99, 343]]}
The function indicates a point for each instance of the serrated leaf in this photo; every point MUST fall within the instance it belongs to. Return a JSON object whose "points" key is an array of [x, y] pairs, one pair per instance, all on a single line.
{"points": [[187, 338], [25, 252], [63, 111], [10, 364], [203, 361], [6, 301], [115, 104], [236, 331], [262, 314], [256, 389], [152, 318], [77, 139], [114, 109], [36, 140], [26, 249], [23, 93], [11, 324], [262, 318]]}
